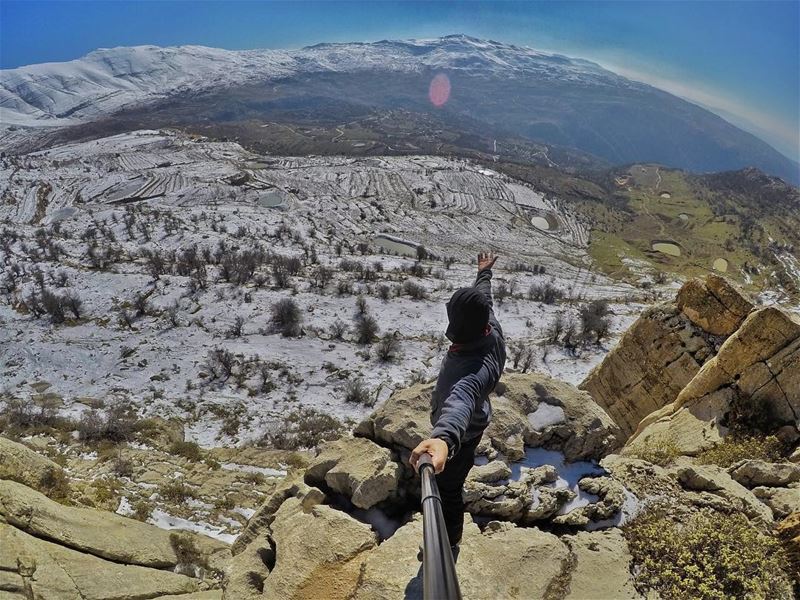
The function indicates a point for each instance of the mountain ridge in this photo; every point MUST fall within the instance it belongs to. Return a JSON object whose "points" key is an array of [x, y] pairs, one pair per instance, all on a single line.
{"points": [[549, 98]]}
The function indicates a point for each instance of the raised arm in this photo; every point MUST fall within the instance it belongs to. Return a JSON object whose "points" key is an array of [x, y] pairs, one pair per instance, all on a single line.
{"points": [[483, 282]]}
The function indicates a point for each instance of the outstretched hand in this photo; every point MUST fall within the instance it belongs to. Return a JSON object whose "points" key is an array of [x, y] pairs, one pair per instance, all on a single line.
{"points": [[436, 448], [486, 260]]}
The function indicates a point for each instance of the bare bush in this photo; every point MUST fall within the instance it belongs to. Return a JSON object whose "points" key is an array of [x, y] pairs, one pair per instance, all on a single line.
{"points": [[286, 317], [356, 392], [388, 347], [366, 329]]}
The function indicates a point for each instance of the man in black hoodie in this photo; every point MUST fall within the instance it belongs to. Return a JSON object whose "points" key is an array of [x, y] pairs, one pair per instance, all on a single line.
{"points": [[460, 407]]}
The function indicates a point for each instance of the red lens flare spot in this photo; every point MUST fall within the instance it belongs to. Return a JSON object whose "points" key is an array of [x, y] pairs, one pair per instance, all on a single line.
{"points": [[439, 91]]}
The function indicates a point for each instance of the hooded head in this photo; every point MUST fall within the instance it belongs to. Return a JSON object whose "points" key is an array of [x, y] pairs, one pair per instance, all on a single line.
{"points": [[468, 313]]}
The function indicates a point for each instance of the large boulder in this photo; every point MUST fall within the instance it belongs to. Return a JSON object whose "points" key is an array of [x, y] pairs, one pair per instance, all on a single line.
{"points": [[50, 571], [551, 414], [714, 305], [753, 473], [317, 552], [652, 362], [756, 372], [782, 501], [602, 566], [401, 422], [96, 532], [358, 468], [528, 409], [20, 463]]}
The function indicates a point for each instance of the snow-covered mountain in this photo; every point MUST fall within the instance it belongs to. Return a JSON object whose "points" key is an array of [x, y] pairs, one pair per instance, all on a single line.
{"points": [[500, 91], [110, 79]]}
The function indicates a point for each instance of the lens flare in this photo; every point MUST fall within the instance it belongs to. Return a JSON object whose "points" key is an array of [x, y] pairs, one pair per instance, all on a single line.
{"points": [[439, 91]]}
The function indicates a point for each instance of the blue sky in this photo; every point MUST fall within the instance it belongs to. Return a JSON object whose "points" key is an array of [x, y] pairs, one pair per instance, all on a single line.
{"points": [[741, 59]]}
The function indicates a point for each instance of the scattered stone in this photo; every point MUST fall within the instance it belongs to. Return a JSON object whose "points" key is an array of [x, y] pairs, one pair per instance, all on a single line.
{"points": [[713, 479], [752, 473], [782, 501]]}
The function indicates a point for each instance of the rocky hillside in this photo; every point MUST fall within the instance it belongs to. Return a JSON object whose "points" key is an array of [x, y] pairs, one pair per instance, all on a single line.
{"points": [[678, 476]]}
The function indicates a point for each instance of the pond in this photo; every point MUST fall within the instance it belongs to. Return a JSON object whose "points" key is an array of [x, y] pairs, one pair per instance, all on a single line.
{"points": [[720, 265], [665, 247], [540, 223], [396, 245]]}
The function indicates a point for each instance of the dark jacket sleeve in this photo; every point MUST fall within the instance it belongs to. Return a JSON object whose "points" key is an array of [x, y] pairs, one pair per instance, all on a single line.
{"points": [[460, 405], [483, 283]]}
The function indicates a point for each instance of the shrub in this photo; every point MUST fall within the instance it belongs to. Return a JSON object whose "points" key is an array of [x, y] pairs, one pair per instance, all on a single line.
{"points": [[304, 428], [710, 556], [117, 424], [55, 485], [546, 293], [388, 347], [384, 292], [356, 392], [220, 363], [175, 491], [142, 510], [366, 329], [740, 447], [662, 452], [414, 290], [286, 317], [595, 324], [188, 450], [338, 329], [236, 329]]}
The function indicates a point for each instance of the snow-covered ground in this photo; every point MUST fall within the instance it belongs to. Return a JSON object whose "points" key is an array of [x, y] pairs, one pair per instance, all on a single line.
{"points": [[93, 210]]}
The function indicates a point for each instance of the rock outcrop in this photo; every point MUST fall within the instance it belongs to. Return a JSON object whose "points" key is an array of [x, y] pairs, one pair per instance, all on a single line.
{"points": [[528, 409], [100, 533], [713, 305], [755, 377], [20, 463], [357, 468], [664, 349]]}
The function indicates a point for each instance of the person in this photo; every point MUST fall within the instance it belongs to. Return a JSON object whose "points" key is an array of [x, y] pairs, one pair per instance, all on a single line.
{"points": [[460, 407]]}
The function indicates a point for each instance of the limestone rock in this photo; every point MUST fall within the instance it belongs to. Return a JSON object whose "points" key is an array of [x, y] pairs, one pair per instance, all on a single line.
{"points": [[556, 415], [752, 473], [640, 477], [20, 463], [611, 497], [491, 472], [403, 421], [788, 531], [101, 533], [316, 552], [709, 478], [55, 572], [602, 566], [713, 305], [547, 501], [358, 468], [532, 562], [652, 362], [763, 357], [758, 365], [391, 570], [782, 501]]}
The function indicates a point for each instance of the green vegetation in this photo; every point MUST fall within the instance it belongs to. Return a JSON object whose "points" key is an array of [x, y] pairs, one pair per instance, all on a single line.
{"points": [[741, 447], [175, 491], [662, 452], [711, 556], [304, 428], [188, 450]]}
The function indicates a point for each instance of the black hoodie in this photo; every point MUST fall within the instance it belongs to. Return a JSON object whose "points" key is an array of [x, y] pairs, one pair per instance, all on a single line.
{"points": [[460, 407]]}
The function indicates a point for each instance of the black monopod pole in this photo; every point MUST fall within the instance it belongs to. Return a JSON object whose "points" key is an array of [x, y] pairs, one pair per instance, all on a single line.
{"points": [[439, 579]]}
